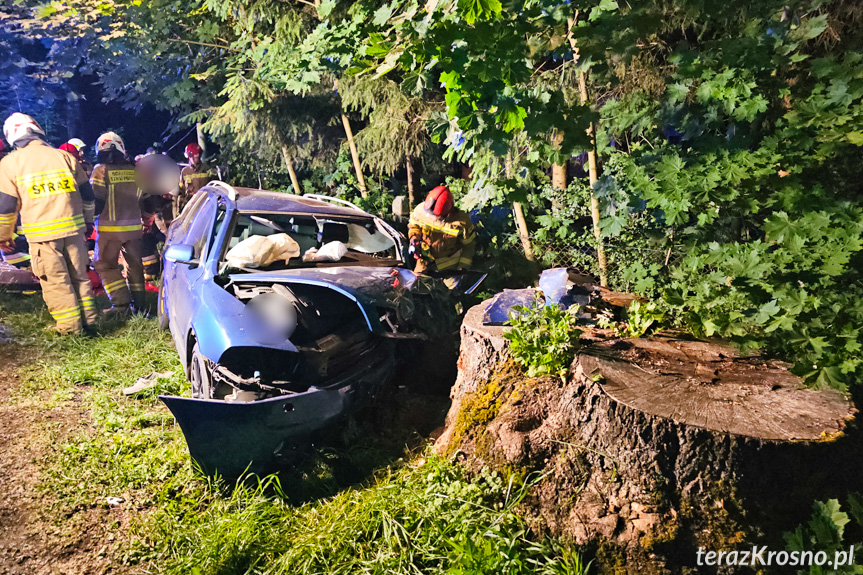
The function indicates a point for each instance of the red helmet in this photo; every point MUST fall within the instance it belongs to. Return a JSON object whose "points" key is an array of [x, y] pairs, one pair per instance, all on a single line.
{"points": [[193, 149], [439, 201], [72, 150]]}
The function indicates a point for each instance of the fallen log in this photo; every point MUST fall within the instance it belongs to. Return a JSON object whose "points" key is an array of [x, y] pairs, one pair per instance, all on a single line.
{"points": [[654, 447]]}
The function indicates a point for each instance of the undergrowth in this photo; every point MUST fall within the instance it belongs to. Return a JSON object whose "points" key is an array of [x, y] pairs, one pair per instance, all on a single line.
{"points": [[371, 507], [543, 338]]}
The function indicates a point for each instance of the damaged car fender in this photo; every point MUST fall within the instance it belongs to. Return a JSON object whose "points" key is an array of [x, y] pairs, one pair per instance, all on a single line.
{"points": [[234, 327]]}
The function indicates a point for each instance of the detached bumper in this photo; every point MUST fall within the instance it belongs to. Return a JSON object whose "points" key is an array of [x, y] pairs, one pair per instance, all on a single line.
{"points": [[231, 438]]}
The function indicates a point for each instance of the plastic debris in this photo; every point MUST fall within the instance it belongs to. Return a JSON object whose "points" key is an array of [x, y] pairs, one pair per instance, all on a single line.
{"points": [[498, 311], [147, 382]]}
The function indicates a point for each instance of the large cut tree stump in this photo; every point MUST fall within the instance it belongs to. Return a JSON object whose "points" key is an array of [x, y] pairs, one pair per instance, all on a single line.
{"points": [[654, 447]]}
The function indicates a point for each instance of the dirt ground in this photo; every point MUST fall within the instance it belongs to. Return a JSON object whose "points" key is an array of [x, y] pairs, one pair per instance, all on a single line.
{"points": [[32, 540]]}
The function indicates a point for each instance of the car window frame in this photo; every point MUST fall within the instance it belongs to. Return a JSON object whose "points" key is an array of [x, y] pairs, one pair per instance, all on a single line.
{"points": [[397, 260]]}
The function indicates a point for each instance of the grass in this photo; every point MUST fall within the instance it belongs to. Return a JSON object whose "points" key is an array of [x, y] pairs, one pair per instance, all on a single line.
{"points": [[374, 506]]}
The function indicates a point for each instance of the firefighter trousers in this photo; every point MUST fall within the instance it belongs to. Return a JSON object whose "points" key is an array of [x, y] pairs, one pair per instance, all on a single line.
{"points": [[61, 266], [108, 265]]}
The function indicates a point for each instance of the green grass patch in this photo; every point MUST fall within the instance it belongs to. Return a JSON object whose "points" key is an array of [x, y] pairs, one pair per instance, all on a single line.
{"points": [[372, 506], [427, 517]]}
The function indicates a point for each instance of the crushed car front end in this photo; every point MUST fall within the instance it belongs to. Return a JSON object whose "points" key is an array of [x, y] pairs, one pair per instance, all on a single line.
{"points": [[276, 356]]}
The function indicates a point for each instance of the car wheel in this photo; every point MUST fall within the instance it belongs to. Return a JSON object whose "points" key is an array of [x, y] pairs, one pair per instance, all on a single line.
{"points": [[161, 312], [200, 376]]}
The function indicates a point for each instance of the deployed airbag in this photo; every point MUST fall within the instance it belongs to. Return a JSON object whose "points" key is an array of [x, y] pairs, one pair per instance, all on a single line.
{"points": [[261, 251], [329, 252]]}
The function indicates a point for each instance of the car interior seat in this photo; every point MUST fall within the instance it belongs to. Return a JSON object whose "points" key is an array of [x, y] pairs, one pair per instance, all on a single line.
{"points": [[334, 232]]}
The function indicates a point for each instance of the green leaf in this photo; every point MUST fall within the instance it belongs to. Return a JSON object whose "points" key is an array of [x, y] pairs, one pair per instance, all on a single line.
{"points": [[473, 10], [382, 15], [855, 137]]}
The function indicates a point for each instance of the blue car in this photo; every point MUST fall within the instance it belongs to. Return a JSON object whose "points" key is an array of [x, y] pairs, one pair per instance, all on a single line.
{"points": [[278, 348]]}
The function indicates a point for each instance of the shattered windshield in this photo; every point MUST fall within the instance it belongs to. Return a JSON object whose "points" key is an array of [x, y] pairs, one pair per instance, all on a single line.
{"points": [[274, 241]]}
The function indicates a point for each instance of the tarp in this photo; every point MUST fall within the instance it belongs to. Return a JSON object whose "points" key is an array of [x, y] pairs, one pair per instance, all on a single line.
{"points": [[11, 278]]}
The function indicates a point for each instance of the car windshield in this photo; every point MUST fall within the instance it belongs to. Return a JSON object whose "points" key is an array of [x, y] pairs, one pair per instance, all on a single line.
{"points": [[273, 241]]}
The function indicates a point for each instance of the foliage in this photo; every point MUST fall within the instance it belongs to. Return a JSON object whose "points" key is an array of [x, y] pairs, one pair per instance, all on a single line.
{"points": [[35, 75], [728, 133], [543, 338], [745, 166], [428, 517], [640, 318], [826, 532]]}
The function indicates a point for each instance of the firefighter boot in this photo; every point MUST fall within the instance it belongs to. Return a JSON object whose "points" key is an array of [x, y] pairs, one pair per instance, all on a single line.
{"points": [[140, 305]]}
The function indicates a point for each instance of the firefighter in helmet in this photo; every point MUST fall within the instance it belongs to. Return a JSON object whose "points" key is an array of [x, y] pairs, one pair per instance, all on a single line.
{"points": [[79, 145], [442, 237], [72, 150], [192, 178], [50, 190], [118, 226]]}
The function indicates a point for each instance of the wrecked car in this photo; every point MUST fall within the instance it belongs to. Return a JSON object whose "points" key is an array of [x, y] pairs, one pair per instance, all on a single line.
{"points": [[285, 311]]}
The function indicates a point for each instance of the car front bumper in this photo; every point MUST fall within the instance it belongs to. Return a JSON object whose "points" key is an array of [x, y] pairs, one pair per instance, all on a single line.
{"points": [[232, 438]]}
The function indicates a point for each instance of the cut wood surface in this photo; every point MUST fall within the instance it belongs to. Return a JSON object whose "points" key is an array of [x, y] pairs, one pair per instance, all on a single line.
{"points": [[710, 385], [654, 447]]}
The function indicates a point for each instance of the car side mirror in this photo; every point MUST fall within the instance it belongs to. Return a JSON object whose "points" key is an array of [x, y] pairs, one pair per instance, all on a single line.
{"points": [[181, 254]]}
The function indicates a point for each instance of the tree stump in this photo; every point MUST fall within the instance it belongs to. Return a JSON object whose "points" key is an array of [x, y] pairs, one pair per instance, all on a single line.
{"points": [[654, 447]]}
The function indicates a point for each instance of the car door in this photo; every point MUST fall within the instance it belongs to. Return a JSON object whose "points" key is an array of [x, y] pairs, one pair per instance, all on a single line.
{"points": [[183, 279]]}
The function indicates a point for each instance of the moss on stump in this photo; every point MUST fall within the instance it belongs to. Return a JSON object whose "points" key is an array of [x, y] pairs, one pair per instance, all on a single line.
{"points": [[654, 447]]}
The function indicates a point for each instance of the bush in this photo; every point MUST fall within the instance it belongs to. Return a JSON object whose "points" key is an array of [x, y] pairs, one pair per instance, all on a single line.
{"points": [[543, 338]]}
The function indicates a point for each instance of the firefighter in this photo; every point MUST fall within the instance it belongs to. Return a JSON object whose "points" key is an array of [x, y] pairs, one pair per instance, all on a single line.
{"points": [[19, 256], [118, 226], [70, 149], [50, 189], [155, 231], [441, 236], [80, 145], [192, 178]]}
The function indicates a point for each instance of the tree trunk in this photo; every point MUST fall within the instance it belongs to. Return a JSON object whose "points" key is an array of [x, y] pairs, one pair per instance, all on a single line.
{"points": [[410, 171], [591, 156], [520, 221], [521, 224], [558, 171], [290, 165], [361, 181], [593, 176], [654, 447]]}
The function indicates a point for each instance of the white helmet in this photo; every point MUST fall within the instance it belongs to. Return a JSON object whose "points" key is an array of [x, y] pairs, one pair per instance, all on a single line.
{"points": [[78, 143], [20, 125], [110, 140]]}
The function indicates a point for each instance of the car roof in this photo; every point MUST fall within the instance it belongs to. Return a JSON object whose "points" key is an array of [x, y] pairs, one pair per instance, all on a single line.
{"points": [[254, 200]]}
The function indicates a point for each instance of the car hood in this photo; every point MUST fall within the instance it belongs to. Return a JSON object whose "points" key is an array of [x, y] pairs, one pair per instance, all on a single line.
{"points": [[375, 283]]}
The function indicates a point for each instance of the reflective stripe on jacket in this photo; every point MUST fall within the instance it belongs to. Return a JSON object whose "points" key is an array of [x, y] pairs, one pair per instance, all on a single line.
{"points": [[42, 183], [451, 240], [193, 179], [121, 217]]}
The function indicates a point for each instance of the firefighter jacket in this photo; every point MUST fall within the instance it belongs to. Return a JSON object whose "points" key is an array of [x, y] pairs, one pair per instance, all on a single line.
{"points": [[49, 188], [193, 179], [451, 240], [121, 217]]}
